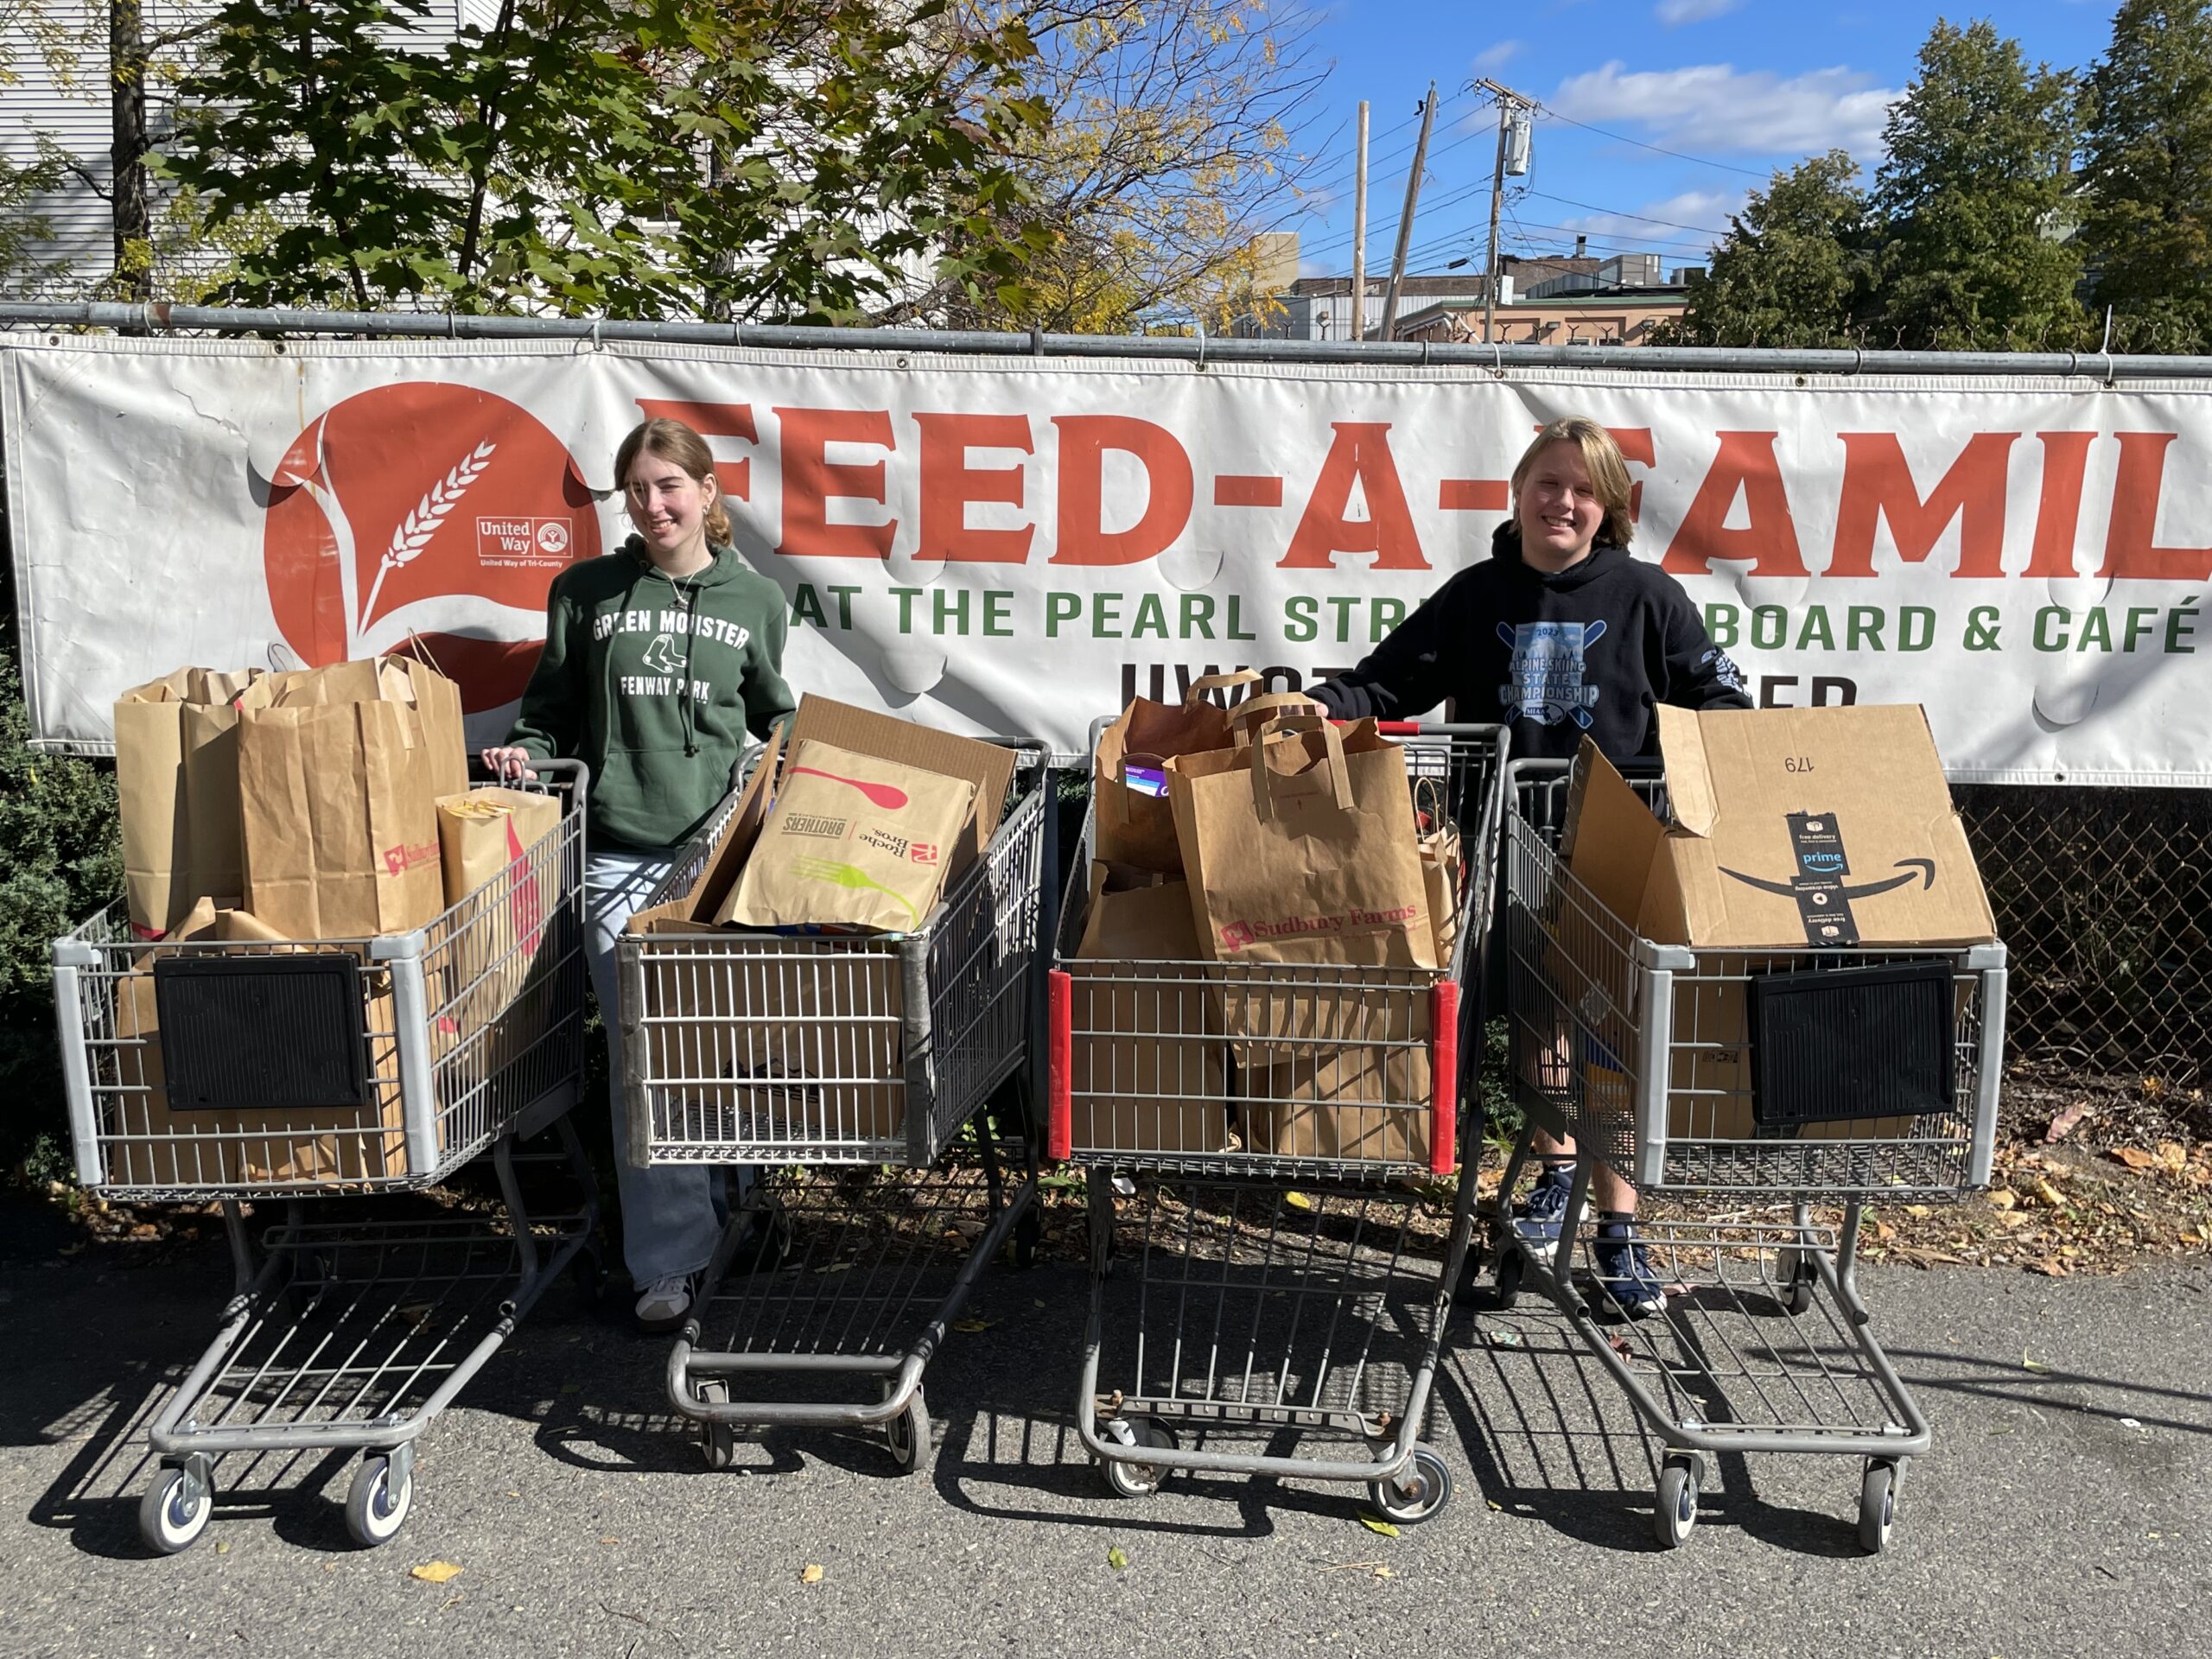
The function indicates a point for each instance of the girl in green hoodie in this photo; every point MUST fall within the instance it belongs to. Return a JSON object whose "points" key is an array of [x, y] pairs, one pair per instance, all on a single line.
{"points": [[659, 658]]}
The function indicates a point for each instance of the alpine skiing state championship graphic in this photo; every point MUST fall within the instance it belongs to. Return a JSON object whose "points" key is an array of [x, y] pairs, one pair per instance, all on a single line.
{"points": [[418, 500]]}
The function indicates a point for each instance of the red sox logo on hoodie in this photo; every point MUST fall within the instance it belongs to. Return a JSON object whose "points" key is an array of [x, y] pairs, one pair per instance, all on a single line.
{"points": [[426, 511]]}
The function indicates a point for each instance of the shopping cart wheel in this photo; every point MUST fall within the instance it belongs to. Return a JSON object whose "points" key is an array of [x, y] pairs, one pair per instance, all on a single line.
{"points": [[1509, 1263], [908, 1434], [169, 1520], [717, 1440], [1677, 1510], [1140, 1479], [1795, 1276], [377, 1503], [1026, 1232], [1878, 1504], [1422, 1491]]}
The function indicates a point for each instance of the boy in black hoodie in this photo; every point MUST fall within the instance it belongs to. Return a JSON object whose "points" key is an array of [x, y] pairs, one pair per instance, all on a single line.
{"points": [[1559, 635]]}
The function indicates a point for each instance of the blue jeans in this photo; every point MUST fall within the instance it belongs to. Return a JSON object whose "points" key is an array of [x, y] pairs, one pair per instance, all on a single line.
{"points": [[672, 1213]]}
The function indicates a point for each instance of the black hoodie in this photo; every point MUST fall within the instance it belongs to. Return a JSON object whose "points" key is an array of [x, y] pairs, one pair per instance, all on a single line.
{"points": [[1588, 651]]}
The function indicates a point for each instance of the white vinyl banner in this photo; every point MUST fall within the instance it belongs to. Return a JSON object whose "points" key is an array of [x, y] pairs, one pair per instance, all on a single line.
{"points": [[1019, 545]]}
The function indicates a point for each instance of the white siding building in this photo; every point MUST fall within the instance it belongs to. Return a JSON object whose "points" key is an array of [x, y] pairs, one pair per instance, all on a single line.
{"points": [[57, 52]]}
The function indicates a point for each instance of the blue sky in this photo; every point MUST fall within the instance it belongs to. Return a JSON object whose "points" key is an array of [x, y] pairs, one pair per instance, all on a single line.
{"points": [[1742, 86]]}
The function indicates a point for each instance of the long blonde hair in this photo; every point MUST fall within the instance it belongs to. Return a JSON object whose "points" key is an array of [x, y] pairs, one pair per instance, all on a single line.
{"points": [[671, 439], [1608, 472]]}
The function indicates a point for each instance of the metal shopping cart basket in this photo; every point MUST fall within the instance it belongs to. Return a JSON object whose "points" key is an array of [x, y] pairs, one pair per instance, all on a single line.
{"points": [[331, 1076], [1283, 1286], [1693, 1072], [857, 1072]]}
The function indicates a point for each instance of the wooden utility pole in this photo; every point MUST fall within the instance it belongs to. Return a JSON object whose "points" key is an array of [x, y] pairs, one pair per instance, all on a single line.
{"points": [[1359, 235], [1406, 219], [1508, 102]]}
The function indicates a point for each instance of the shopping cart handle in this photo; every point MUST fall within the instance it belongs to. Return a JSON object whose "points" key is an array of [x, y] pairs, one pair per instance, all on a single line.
{"points": [[1398, 728]]}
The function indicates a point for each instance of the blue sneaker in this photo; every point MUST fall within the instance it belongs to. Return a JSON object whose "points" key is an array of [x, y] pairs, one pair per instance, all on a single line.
{"points": [[1537, 1218], [1625, 1275]]}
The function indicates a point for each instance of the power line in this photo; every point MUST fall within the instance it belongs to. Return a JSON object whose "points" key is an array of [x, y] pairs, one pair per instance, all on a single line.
{"points": [[1657, 149], [1616, 212]]}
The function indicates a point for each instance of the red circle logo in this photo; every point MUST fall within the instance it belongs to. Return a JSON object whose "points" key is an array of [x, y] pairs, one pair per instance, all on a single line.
{"points": [[428, 517]]}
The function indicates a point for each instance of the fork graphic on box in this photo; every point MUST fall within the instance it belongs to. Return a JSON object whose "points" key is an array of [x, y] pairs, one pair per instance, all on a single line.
{"points": [[846, 876]]}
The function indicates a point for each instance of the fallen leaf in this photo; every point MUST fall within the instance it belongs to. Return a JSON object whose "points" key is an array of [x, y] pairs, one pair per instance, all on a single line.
{"points": [[1384, 1571], [1918, 1212], [223, 1547], [2065, 1121], [2049, 1194], [1499, 1507], [1117, 1557], [435, 1572], [1298, 1200], [610, 1541], [1376, 1523], [2136, 1158], [2173, 1155], [2027, 1365], [973, 1324], [2004, 1198], [810, 1573]]}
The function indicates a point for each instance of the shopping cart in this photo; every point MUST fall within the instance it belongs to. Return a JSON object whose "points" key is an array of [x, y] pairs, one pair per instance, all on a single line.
{"points": [[1640, 1052], [1279, 1292], [885, 1083], [207, 1071]]}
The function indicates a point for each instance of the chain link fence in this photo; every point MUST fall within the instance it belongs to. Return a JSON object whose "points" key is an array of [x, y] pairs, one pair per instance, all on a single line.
{"points": [[2102, 898]]}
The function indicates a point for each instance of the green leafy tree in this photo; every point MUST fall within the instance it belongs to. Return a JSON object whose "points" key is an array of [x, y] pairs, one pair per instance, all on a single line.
{"points": [[760, 159], [58, 862], [1166, 155], [2148, 222], [1796, 269], [1975, 204]]}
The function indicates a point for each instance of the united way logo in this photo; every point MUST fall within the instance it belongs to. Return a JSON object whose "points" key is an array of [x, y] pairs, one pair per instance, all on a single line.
{"points": [[428, 516], [1549, 680]]}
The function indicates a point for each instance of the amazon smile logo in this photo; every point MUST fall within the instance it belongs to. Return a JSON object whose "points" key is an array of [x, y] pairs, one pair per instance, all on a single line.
{"points": [[1822, 895]]}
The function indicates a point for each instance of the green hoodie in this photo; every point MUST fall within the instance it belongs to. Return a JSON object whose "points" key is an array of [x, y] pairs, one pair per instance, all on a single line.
{"points": [[653, 684]]}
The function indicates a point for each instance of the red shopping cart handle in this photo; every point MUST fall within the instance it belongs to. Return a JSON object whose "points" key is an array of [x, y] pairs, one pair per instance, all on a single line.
{"points": [[1398, 728]]}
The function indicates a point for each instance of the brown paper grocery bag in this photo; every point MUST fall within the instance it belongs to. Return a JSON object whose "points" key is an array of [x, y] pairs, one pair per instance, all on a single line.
{"points": [[1134, 827], [1301, 847], [1146, 1058], [176, 777], [1365, 1096], [489, 845], [340, 773], [1439, 869], [853, 843]]}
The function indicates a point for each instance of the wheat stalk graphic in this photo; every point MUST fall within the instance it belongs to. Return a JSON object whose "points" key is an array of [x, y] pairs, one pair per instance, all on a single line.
{"points": [[415, 530]]}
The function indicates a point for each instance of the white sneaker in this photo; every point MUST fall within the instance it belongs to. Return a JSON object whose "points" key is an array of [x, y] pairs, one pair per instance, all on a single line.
{"points": [[665, 1303]]}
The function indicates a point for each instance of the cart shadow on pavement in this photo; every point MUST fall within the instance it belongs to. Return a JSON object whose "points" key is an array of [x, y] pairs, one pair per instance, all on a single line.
{"points": [[1548, 1435], [95, 1497]]}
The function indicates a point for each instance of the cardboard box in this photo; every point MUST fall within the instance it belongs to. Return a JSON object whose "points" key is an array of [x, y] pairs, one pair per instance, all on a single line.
{"points": [[1793, 830], [988, 767], [159, 1147], [773, 1069], [794, 1039], [1136, 1038], [853, 843]]}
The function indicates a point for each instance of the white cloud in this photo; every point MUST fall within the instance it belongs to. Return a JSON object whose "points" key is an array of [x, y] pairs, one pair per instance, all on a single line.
{"points": [[1675, 13], [1713, 108], [1665, 225], [1493, 57]]}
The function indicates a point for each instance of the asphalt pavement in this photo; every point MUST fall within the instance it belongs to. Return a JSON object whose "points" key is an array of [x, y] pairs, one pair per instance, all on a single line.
{"points": [[2065, 1508]]}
